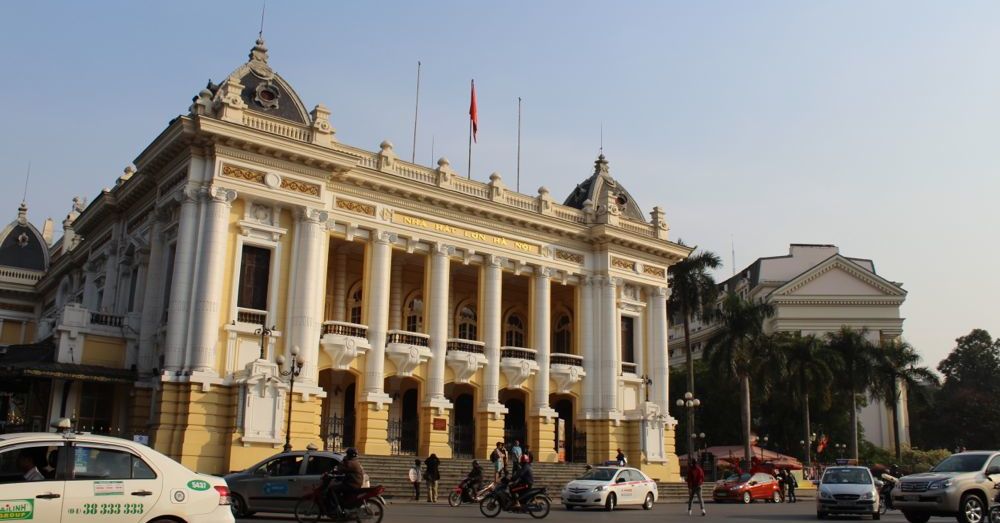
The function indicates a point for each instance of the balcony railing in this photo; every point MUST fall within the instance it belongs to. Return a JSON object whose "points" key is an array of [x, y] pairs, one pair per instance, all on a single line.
{"points": [[517, 353], [566, 359], [408, 338], [108, 320], [628, 367], [460, 345], [255, 316], [343, 328]]}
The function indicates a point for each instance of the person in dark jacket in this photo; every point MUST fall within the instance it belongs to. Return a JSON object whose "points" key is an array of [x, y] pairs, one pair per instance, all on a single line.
{"points": [[620, 458], [695, 478], [432, 475], [475, 477], [521, 481], [791, 483]]}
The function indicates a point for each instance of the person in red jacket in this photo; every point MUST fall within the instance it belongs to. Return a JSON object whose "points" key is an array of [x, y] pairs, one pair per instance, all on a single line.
{"points": [[695, 478]]}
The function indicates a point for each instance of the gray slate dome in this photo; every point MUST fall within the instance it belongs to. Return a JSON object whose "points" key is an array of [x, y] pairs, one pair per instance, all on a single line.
{"points": [[596, 189], [22, 245]]}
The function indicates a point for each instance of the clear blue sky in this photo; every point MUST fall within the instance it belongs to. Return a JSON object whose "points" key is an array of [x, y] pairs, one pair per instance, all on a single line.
{"points": [[871, 125]]}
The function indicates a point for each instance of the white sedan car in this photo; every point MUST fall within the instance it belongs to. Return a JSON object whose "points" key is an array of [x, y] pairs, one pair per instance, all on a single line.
{"points": [[609, 487], [70, 478]]}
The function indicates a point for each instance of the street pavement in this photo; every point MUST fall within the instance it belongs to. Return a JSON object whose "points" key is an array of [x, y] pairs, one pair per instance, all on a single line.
{"points": [[757, 512]]}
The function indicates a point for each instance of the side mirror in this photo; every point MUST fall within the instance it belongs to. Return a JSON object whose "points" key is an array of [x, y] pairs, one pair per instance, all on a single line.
{"points": [[620, 480], [752, 483], [993, 470]]}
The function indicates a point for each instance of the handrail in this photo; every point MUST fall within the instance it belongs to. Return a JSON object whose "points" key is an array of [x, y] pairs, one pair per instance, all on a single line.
{"points": [[343, 328], [408, 338], [566, 359], [460, 345], [519, 353]]}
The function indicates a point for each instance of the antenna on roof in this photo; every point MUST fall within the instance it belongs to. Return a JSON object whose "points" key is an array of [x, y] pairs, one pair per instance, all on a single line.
{"points": [[602, 137], [26, 178], [732, 245], [263, 8]]}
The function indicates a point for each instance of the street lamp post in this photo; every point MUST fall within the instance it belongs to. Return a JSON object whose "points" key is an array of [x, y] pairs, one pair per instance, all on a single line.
{"points": [[263, 331], [764, 444], [841, 447], [294, 369], [690, 403], [646, 382]]}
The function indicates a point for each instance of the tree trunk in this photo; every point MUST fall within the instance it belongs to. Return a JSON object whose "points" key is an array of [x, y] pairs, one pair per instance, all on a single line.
{"points": [[805, 415], [854, 424], [894, 408], [745, 415], [689, 361]]}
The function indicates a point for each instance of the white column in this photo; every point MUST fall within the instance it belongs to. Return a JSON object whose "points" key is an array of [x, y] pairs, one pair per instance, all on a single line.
{"points": [[396, 295], [109, 300], [541, 328], [305, 314], [585, 329], [376, 296], [610, 357], [437, 329], [340, 287], [492, 276], [208, 291], [183, 281], [152, 297], [659, 360]]}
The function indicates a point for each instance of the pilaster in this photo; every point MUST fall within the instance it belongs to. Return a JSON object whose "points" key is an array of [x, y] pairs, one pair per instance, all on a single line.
{"points": [[541, 333], [437, 302], [152, 302], [182, 278], [377, 301], [585, 330], [492, 288], [208, 292], [304, 293]]}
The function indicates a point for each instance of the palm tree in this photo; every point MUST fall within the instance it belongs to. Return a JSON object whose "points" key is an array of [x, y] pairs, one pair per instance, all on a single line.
{"points": [[896, 371], [740, 348], [856, 355], [693, 292], [810, 367]]}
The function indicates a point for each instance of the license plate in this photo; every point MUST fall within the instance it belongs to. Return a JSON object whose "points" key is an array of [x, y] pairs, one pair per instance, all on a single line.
{"points": [[576, 498]]}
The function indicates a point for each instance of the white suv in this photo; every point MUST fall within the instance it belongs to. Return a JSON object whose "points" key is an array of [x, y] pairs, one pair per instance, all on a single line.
{"points": [[69, 478]]}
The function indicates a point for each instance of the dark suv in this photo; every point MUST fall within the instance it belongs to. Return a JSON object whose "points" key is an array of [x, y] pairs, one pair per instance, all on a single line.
{"points": [[962, 486]]}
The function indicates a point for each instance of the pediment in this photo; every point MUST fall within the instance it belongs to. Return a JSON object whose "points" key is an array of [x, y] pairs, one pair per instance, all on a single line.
{"points": [[838, 276]]}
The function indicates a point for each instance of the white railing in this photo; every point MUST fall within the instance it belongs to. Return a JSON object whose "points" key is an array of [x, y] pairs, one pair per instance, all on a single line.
{"points": [[644, 229], [519, 353], [472, 188], [569, 213], [268, 125], [254, 316], [521, 201], [407, 338], [108, 320], [25, 276], [343, 328], [460, 345], [558, 358]]}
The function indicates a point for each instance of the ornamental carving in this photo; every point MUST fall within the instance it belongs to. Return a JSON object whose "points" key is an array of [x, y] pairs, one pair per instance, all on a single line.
{"points": [[659, 272], [358, 207], [243, 173], [569, 256], [310, 189], [621, 263]]}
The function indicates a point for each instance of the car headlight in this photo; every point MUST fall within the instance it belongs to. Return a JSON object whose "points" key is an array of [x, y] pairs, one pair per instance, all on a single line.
{"points": [[735, 489], [825, 494], [939, 484], [600, 488], [868, 495]]}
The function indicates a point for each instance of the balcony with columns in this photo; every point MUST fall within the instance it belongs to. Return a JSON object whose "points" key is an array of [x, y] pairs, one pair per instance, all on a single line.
{"points": [[465, 357], [565, 370], [343, 342], [407, 350], [518, 364]]}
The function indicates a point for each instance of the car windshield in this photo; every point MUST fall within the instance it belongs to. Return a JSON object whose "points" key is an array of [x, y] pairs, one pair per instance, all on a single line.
{"points": [[738, 478], [598, 474], [961, 463], [847, 477]]}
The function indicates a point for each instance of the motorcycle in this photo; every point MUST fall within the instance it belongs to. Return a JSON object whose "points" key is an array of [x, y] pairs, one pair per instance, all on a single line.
{"points": [[464, 493], [533, 501], [885, 493], [365, 505]]}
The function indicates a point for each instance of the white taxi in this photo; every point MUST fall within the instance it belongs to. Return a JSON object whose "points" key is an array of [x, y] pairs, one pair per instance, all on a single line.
{"points": [[610, 487], [74, 478]]}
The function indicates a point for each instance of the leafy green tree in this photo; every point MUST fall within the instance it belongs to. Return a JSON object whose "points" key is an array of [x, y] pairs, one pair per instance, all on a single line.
{"points": [[693, 294], [968, 404], [857, 356], [895, 370], [739, 349], [810, 369]]}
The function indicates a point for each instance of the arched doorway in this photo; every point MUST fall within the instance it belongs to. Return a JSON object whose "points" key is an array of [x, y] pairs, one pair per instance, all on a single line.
{"points": [[462, 435], [404, 415], [565, 431], [339, 409], [410, 423], [515, 423]]}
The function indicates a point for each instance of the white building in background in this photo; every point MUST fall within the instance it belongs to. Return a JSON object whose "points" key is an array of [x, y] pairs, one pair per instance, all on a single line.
{"points": [[816, 290]]}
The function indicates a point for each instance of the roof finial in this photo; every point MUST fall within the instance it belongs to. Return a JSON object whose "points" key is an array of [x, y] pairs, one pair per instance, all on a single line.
{"points": [[263, 8], [26, 178], [259, 51], [602, 139]]}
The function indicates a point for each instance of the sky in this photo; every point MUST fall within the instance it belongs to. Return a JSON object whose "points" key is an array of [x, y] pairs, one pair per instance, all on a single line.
{"points": [[870, 125]]}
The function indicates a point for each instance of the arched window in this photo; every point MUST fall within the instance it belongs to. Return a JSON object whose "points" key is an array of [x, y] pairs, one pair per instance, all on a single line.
{"points": [[414, 312], [514, 331], [354, 304], [562, 334], [466, 323]]}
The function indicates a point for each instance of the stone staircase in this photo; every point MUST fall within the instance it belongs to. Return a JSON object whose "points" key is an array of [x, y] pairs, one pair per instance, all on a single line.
{"points": [[391, 472]]}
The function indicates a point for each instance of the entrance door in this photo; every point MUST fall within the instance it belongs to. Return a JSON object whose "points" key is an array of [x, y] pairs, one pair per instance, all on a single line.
{"points": [[565, 409], [410, 423], [463, 427], [514, 425], [349, 416]]}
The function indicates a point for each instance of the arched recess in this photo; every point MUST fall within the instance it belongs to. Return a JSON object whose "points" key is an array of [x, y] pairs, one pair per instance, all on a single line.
{"points": [[413, 312], [339, 420], [562, 331], [515, 328], [355, 303], [466, 320]]}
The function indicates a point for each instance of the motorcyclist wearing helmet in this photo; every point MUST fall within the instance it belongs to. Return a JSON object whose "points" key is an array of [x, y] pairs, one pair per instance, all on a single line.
{"points": [[352, 480], [474, 479], [522, 480]]}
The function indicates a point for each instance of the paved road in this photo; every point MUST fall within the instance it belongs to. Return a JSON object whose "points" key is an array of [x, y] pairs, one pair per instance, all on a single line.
{"points": [[758, 512]]}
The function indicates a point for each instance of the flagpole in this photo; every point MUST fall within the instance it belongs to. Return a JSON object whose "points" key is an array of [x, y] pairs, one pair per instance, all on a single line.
{"points": [[416, 113], [473, 83], [518, 188]]}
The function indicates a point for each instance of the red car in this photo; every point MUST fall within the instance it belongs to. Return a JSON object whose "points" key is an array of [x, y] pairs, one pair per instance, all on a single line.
{"points": [[747, 487]]}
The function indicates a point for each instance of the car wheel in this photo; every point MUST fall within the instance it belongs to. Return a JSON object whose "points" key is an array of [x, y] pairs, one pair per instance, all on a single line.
{"points": [[238, 506], [611, 502], [916, 517], [776, 497], [821, 515], [971, 509], [648, 503], [747, 498]]}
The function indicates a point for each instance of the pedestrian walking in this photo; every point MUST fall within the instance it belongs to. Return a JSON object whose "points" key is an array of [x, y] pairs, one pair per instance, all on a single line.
{"points": [[415, 479], [792, 485], [432, 475], [497, 459], [620, 458], [516, 452], [695, 478]]}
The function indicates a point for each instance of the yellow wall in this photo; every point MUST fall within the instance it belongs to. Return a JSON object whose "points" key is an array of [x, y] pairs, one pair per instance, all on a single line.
{"points": [[103, 351], [10, 334]]}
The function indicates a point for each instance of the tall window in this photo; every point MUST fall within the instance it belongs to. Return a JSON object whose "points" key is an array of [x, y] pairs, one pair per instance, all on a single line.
{"points": [[414, 314], [96, 400], [354, 304], [514, 331], [467, 326], [628, 339], [254, 274], [562, 334]]}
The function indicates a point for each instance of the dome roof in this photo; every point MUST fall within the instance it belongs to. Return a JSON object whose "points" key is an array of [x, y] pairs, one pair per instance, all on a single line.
{"points": [[22, 245], [264, 90], [598, 186]]}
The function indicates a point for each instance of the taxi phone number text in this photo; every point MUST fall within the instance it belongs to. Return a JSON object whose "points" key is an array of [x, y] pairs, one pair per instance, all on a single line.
{"points": [[105, 509]]}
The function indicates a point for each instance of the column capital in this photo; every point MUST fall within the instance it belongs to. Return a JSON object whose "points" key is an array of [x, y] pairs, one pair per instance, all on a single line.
{"points": [[221, 195], [492, 260], [313, 215], [586, 280], [384, 237], [658, 291], [441, 249], [544, 272], [189, 194]]}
